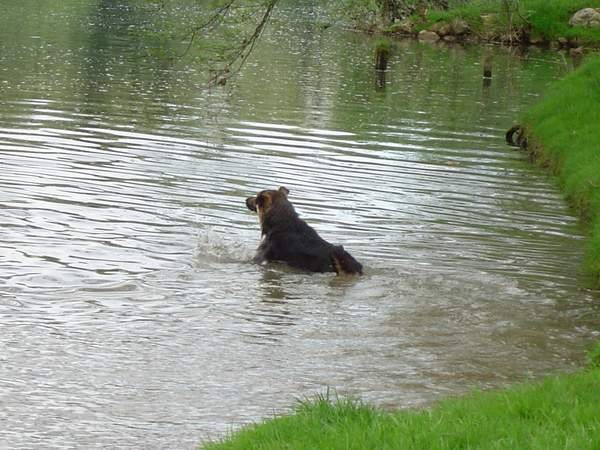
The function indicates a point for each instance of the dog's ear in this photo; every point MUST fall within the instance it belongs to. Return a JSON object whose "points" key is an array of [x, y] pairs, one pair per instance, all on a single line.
{"points": [[285, 191]]}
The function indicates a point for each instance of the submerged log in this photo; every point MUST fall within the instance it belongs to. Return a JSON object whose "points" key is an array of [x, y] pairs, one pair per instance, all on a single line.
{"points": [[487, 65], [487, 69], [382, 57]]}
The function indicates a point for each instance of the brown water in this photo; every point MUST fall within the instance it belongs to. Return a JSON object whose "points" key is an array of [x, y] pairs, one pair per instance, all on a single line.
{"points": [[130, 313]]}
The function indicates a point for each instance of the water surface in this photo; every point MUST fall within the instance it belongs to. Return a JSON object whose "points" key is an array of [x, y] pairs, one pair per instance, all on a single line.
{"points": [[131, 314]]}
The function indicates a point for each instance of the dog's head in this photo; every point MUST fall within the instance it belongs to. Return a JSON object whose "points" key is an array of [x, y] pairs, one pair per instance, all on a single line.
{"points": [[265, 202]]}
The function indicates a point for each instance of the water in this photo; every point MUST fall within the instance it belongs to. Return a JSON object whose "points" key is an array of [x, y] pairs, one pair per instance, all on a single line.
{"points": [[131, 314]]}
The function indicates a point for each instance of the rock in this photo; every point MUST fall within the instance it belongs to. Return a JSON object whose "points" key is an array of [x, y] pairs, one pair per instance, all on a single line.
{"points": [[428, 36], [536, 40], [460, 27], [405, 26], [563, 41], [587, 17], [575, 52], [441, 28], [515, 136], [449, 38]]}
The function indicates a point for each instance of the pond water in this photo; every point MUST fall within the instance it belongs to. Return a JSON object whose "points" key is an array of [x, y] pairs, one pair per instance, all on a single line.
{"points": [[130, 313]]}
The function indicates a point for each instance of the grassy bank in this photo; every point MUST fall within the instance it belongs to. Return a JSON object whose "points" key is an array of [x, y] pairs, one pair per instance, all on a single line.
{"points": [[563, 132], [560, 412]]}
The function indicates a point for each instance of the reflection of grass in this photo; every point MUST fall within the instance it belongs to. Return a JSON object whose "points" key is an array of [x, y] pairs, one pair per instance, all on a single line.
{"points": [[560, 412], [564, 133]]}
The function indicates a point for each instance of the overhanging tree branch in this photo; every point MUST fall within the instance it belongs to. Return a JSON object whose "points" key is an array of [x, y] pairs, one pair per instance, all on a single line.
{"points": [[222, 33], [243, 51]]}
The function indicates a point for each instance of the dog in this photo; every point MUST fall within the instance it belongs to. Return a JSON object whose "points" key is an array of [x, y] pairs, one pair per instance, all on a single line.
{"points": [[288, 238]]}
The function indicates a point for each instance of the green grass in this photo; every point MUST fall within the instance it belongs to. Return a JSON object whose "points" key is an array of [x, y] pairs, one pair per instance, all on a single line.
{"points": [[564, 134], [561, 412]]}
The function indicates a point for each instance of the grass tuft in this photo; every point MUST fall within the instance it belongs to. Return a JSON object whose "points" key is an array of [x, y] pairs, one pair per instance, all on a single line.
{"points": [[594, 357], [557, 413]]}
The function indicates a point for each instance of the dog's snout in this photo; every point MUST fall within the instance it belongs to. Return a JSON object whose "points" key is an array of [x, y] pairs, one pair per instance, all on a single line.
{"points": [[251, 203]]}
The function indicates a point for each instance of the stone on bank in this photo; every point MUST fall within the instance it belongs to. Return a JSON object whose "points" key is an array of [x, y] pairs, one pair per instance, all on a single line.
{"points": [[587, 17]]}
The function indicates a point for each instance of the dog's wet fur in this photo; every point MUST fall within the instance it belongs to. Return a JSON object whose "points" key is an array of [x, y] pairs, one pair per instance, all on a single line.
{"points": [[288, 238]]}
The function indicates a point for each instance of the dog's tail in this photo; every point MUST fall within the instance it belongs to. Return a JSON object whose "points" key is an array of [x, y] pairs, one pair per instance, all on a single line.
{"points": [[343, 263]]}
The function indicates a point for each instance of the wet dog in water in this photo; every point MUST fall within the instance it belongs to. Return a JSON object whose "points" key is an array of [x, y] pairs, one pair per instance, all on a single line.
{"points": [[288, 238]]}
